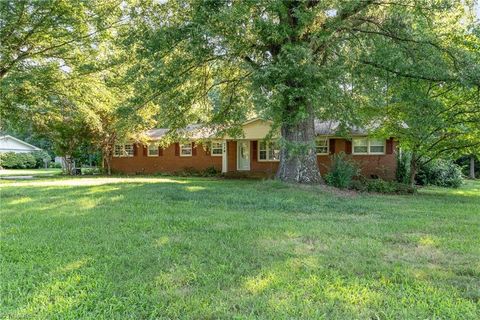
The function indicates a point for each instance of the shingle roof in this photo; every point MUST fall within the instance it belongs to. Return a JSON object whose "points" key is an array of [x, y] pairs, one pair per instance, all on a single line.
{"points": [[331, 128], [194, 131], [155, 134], [199, 131]]}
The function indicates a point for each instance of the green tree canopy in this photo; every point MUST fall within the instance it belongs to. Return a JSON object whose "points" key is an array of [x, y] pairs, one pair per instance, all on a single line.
{"points": [[291, 61]]}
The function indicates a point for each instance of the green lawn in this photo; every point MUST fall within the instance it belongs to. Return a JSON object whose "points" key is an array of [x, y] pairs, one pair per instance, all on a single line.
{"points": [[30, 172], [147, 248]]}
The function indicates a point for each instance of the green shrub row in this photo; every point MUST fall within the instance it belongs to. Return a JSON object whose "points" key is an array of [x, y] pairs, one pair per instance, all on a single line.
{"points": [[345, 174], [192, 172], [30, 160], [442, 173], [11, 160]]}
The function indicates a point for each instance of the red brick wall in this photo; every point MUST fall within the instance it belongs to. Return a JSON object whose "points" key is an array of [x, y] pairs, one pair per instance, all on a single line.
{"points": [[269, 167], [383, 166], [168, 162]]}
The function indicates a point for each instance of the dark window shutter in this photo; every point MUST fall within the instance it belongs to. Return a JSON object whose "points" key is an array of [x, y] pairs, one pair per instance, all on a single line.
{"points": [[135, 149], [160, 151], [177, 149], [145, 150], [254, 150], [348, 146], [208, 151], [194, 149], [389, 146], [331, 146]]}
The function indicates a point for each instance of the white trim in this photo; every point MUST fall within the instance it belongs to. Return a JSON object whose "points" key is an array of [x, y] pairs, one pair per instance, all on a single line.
{"points": [[148, 150], [123, 154], [191, 149], [224, 157], [266, 150], [327, 139], [221, 148], [20, 141], [238, 155], [368, 147]]}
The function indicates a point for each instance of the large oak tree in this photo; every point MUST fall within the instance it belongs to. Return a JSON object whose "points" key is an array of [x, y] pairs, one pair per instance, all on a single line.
{"points": [[289, 61]]}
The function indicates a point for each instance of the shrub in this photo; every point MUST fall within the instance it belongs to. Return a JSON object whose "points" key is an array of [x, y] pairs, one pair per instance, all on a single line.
{"points": [[464, 163], [40, 158], [440, 173], [403, 167], [55, 165], [12, 160], [187, 172], [381, 186], [342, 171], [91, 171], [210, 172]]}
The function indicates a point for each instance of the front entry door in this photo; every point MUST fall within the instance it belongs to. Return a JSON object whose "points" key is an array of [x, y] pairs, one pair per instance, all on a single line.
{"points": [[243, 155]]}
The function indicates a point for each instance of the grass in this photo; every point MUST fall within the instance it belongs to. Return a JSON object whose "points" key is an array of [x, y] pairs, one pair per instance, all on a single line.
{"points": [[30, 172], [198, 248]]}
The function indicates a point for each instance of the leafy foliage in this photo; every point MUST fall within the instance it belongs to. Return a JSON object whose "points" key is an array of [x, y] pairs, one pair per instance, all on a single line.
{"points": [[40, 158], [12, 160], [402, 173], [465, 163], [442, 173], [220, 62], [342, 171]]}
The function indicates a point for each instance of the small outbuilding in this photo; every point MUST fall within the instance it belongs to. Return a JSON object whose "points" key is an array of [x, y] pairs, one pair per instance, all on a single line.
{"points": [[12, 144]]}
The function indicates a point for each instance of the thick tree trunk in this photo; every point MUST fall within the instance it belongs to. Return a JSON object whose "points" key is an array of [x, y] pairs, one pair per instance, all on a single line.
{"points": [[107, 164], [298, 158], [68, 163], [472, 167]]}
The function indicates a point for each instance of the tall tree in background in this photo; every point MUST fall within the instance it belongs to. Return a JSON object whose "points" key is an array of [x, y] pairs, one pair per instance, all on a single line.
{"points": [[62, 71], [289, 61], [37, 33], [433, 120]]}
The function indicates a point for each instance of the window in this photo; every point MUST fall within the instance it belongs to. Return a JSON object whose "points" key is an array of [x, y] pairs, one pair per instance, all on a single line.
{"points": [[152, 150], [217, 148], [368, 146], [268, 151], [186, 150], [118, 150], [123, 150], [322, 145], [360, 145], [377, 146]]}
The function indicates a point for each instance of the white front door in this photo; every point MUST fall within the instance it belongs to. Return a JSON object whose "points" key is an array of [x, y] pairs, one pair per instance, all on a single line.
{"points": [[243, 155]]}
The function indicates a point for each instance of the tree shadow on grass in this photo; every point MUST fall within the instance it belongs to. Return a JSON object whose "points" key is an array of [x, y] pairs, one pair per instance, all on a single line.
{"points": [[206, 248]]}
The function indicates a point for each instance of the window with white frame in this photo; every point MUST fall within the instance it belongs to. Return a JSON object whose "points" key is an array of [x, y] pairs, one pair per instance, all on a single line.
{"points": [[368, 146], [217, 148], [268, 151], [186, 149], [152, 150], [360, 145], [123, 150], [376, 146], [322, 145], [117, 150]]}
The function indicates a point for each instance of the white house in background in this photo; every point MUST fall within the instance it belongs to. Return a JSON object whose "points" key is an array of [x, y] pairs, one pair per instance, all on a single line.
{"points": [[12, 144]]}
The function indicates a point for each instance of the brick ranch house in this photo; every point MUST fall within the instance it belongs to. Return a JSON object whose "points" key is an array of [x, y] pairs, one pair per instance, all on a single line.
{"points": [[251, 154]]}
